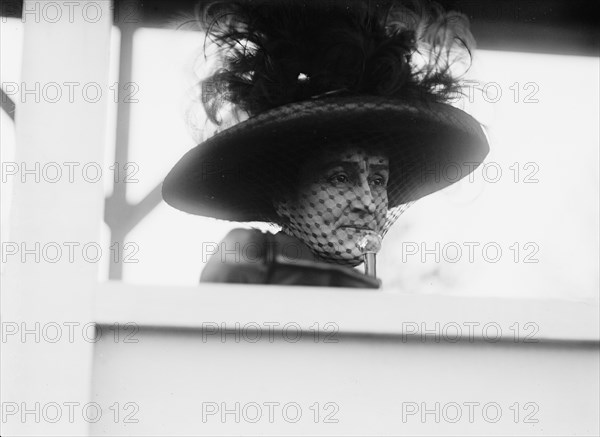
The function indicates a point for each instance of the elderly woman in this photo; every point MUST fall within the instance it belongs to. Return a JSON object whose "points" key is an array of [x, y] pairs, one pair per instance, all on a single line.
{"points": [[344, 122]]}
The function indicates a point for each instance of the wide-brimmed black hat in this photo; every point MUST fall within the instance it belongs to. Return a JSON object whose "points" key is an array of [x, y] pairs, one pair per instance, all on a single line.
{"points": [[429, 143]]}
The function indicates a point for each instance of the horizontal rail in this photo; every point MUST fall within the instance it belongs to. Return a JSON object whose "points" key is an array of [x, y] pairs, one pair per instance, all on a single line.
{"points": [[352, 311]]}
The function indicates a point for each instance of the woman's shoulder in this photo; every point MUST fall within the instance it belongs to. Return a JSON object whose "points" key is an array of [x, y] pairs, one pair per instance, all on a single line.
{"points": [[243, 236], [255, 243], [250, 256], [239, 258], [245, 255]]}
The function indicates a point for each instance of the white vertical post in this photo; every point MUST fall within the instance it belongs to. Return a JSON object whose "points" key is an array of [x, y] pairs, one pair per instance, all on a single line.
{"points": [[48, 283]]}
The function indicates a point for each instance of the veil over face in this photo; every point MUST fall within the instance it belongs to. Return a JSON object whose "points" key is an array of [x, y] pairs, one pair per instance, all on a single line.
{"points": [[341, 196]]}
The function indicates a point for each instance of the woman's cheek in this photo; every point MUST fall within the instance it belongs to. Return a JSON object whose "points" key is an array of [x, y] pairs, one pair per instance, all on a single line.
{"points": [[381, 211], [328, 219], [336, 207], [320, 207]]}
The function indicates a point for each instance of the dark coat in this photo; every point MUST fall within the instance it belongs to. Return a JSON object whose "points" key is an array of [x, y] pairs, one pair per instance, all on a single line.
{"points": [[249, 256]]}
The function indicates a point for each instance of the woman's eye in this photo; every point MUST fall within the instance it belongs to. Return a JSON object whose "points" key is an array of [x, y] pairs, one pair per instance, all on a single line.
{"points": [[378, 181], [339, 178]]}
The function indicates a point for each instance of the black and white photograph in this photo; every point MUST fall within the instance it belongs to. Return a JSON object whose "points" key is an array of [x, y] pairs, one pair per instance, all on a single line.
{"points": [[300, 218]]}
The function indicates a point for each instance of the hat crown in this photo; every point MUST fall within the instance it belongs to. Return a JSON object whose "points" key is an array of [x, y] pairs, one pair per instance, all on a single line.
{"points": [[275, 53]]}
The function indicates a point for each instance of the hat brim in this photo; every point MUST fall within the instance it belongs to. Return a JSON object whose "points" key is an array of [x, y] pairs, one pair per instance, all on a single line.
{"points": [[429, 145]]}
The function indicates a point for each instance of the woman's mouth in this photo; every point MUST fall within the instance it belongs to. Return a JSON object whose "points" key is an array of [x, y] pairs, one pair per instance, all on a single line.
{"points": [[358, 228]]}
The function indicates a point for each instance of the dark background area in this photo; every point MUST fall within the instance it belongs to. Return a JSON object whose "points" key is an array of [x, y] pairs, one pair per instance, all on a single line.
{"points": [[541, 26]]}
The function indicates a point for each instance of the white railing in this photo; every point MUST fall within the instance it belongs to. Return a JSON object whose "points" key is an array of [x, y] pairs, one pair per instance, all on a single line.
{"points": [[225, 359], [354, 310]]}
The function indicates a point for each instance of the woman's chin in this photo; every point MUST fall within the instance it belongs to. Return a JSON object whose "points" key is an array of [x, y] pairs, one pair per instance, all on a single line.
{"points": [[352, 259]]}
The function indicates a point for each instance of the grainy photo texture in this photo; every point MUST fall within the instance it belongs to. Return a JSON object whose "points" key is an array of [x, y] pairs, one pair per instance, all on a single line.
{"points": [[300, 218]]}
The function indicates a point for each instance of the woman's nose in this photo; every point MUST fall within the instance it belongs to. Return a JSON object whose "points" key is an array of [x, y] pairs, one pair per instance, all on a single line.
{"points": [[363, 197]]}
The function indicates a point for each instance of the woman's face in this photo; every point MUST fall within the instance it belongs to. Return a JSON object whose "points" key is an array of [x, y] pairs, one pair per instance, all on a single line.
{"points": [[341, 198]]}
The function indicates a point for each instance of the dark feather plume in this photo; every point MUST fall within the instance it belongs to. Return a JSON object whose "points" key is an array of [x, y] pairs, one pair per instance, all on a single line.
{"points": [[272, 53]]}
